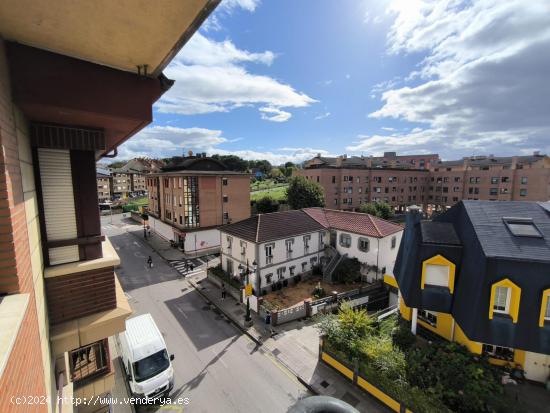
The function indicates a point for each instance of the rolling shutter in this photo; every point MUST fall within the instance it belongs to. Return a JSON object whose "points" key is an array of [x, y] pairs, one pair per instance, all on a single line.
{"points": [[437, 275], [58, 197]]}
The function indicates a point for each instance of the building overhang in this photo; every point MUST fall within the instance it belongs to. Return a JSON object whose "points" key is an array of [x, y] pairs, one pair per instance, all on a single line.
{"points": [[119, 34], [53, 89], [86, 330]]}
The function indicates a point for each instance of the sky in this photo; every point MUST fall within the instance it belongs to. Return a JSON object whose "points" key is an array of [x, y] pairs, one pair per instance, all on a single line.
{"points": [[285, 80]]}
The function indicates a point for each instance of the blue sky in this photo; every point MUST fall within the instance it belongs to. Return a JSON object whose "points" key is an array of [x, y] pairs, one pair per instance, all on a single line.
{"points": [[286, 79]]}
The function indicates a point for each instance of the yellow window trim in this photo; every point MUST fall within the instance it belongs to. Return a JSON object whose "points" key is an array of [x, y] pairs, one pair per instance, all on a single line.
{"points": [[545, 298], [514, 298], [439, 260]]}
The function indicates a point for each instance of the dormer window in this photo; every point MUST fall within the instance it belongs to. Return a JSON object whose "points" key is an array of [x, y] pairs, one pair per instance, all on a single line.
{"points": [[501, 302], [438, 272], [522, 227]]}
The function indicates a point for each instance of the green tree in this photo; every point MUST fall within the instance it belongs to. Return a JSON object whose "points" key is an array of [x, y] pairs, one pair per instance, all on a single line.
{"points": [[232, 162], [302, 193], [275, 173], [378, 209], [266, 205], [117, 164]]}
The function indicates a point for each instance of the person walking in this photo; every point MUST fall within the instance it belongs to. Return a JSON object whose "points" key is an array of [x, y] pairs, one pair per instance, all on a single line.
{"points": [[268, 329], [150, 262], [223, 292]]}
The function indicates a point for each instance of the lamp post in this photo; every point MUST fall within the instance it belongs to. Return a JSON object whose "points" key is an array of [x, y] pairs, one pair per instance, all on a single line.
{"points": [[247, 317]]}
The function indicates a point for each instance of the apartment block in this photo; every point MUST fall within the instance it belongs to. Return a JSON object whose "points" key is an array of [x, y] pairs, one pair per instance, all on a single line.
{"points": [[104, 186], [69, 95], [399, 181], [189, 200], [122, 183]]}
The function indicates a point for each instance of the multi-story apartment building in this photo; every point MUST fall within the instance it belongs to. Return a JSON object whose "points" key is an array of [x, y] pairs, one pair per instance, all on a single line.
{"points": [[277, 247], [104, 185], [69, 94], [189, 200], [122, 183], [348, 182], [478, 275]]}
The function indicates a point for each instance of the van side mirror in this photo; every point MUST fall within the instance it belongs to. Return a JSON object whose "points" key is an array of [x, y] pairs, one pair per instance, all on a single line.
{"points": [[171, 357]]}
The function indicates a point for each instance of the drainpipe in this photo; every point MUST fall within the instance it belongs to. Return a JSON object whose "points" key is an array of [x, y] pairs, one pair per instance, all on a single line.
{"points": [[414, 320], [377, 255]]}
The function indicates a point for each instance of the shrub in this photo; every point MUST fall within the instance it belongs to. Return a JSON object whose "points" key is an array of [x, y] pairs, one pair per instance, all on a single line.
{"points": [[319, 292], [266, 205], [402, 336], [348, 271]]}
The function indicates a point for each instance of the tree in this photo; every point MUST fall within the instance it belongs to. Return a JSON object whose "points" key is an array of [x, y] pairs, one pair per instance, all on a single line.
{"points": [[232, 162], [302, 193], [267, 204], [117, 164], [378, 209], [275, 173]]}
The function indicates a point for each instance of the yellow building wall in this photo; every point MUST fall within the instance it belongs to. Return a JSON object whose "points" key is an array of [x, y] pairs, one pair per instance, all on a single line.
{"points": [[404, 310], [443, 327]]}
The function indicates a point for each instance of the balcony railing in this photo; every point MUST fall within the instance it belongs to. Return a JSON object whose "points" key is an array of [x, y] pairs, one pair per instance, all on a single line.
{"points": [[89, 362]]}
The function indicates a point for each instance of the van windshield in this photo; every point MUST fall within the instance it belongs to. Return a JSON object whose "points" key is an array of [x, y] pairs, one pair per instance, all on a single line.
{"points": [[150, 366]]}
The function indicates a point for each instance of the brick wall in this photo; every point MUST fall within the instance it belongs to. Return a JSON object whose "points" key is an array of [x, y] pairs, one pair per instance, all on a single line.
{"points": [[24, 372], [80, 294]]}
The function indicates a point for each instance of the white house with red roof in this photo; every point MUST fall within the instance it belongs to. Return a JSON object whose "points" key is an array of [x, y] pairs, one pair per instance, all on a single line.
{"points": [[277, 247]]}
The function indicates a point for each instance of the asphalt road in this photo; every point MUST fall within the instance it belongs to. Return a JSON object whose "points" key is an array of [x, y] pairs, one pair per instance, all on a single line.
{"points": [[217, 367]]}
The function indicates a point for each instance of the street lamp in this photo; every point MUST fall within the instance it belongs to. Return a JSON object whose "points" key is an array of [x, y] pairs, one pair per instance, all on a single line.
{"points": [[247, 316]]}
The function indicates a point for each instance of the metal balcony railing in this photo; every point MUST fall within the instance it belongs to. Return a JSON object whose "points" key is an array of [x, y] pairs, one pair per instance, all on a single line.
{"points": [[89, 362]]}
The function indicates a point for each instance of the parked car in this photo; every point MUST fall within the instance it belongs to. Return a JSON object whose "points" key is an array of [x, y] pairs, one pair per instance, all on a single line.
{"points": [[146, 361]]}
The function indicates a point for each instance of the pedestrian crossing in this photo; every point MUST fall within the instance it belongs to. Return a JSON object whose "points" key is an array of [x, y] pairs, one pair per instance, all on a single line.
{"points": [[184, 267]]}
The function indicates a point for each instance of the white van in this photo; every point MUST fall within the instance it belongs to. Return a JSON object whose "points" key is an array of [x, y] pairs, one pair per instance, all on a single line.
{"points": [[146, 362]]}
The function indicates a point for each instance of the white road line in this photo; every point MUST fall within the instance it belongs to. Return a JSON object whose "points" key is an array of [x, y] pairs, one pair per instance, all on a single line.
{"points": [[182, 312]]}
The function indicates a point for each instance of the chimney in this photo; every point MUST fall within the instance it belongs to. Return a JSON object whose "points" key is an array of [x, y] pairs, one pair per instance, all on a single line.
{"points": [[339, 160], [414, 216]]}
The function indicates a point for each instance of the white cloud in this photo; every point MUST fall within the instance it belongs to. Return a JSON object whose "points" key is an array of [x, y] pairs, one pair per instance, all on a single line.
{"points": [[322, 116], [211, 77], [274, 114], [164, 141], [386, 128], [483, 84], [248, 5]]}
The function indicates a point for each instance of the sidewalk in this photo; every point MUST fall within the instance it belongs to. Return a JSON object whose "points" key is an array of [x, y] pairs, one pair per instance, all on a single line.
{"points": [[295, 345]]}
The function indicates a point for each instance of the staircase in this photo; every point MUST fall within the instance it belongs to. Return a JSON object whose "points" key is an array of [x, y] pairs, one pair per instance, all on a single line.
{"points": [[334, 259]]}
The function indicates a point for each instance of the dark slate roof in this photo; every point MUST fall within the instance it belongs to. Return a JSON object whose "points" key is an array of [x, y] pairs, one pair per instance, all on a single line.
{"points": [[276, 225], [482, 161], [496, 239], [441, 233]]}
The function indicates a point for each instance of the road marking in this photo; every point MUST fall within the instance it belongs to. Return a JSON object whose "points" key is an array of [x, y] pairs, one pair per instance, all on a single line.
{"points": [[182, 313], [219, 358]]}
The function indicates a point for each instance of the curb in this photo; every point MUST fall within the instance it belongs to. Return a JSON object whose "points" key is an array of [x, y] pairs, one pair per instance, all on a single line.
{"points": [[255, 340], [241, 328]]}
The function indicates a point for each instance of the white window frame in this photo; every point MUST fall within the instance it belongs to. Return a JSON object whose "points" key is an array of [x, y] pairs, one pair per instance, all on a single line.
{"points": [[347, 244], [268, 253], [547, 313], [508, 296], [361, 239]]}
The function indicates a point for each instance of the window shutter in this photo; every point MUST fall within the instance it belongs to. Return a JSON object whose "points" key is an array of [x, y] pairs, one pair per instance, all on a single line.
{"points": [[437, 275], [58, 196]]}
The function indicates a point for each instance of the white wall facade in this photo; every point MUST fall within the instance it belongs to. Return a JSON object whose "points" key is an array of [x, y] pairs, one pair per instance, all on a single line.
{"points": [[256, 252], [380, 251], [201, 240]]}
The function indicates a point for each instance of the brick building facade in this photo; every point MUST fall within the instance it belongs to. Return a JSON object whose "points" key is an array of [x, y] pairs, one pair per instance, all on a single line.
{"points": [[349, 182]]}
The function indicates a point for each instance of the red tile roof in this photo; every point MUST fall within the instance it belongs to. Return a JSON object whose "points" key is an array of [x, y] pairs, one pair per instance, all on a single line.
{"points": [[358, 223]]}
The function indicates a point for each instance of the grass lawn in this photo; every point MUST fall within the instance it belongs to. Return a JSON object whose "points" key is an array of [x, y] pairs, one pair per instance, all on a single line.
{"points": [[265, 184], [295, 294], [278, 193], [139, 201]]}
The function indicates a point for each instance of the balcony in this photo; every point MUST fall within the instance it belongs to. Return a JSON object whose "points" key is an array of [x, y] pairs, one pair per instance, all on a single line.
{"points": [[89, 362]]}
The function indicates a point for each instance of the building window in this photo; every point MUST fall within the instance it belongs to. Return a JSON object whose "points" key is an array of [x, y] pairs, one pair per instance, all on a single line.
{"points": [[304, 266], [243, 248], [226, 216], [493, 191], [269, 253], [393, 242], [224, 181], [89, 362], [345, 240], [333, 179], [306, 243], [428, 317], [363, 244], [268, 278], [225, 198], [524, 180], [436, 275], [280, 273], [523, 192], [494, 180], [502, 353], [291, 270], [229, 264], [289, 243], [229, 242], [501, 301], [505, 179]]}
